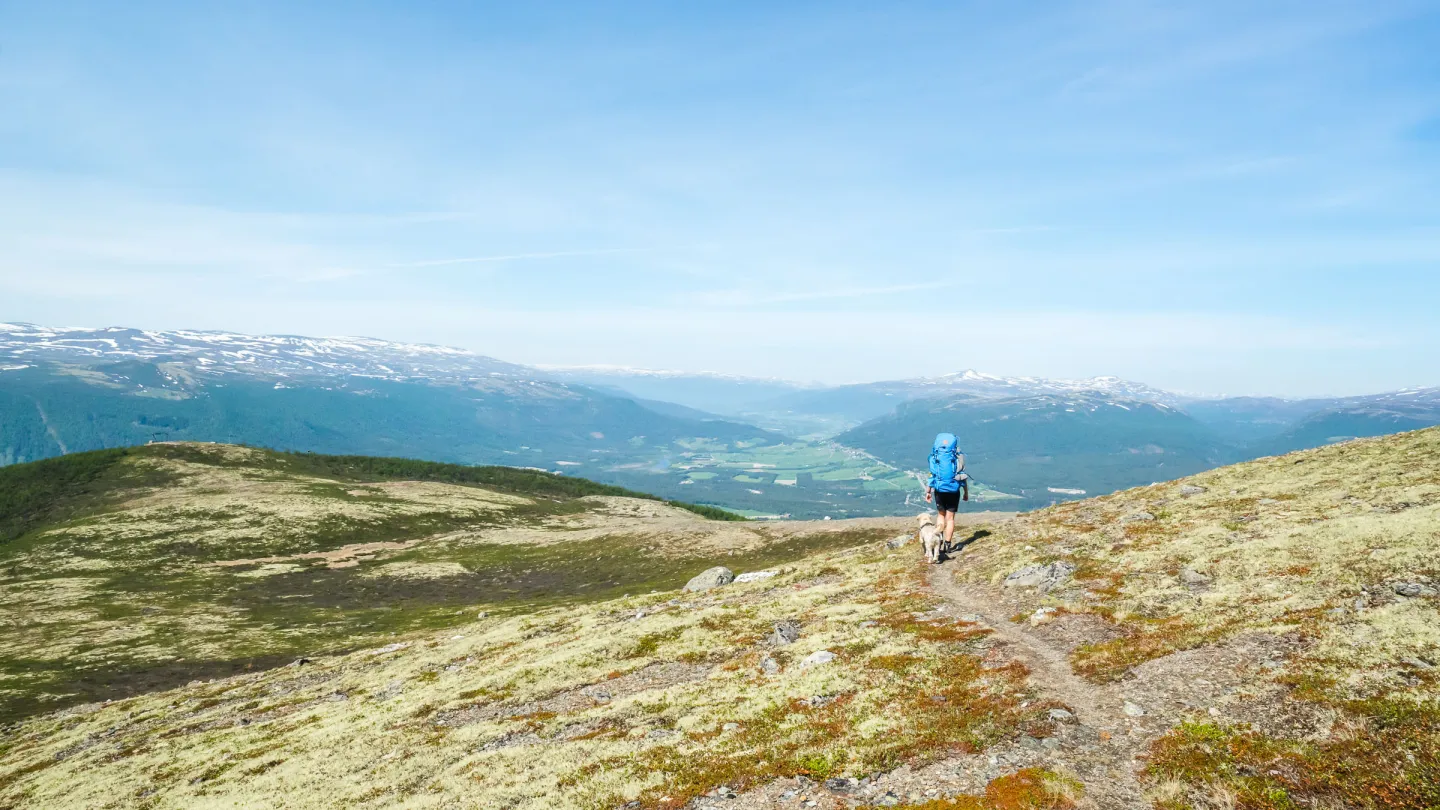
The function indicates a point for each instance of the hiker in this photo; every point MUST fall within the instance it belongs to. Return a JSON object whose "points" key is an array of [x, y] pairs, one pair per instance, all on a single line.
{"points": [[947, 479]]}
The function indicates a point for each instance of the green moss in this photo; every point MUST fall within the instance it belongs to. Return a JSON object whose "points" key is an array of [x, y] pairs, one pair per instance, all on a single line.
{"points": [[1391, 761]]}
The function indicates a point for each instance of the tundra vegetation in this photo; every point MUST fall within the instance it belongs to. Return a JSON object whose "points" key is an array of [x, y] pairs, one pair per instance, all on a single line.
{"points": [[1329, 558], [1304, 585]]}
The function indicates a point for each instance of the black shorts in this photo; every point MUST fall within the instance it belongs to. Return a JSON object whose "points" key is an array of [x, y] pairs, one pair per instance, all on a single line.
{"points": [[947, 501]]}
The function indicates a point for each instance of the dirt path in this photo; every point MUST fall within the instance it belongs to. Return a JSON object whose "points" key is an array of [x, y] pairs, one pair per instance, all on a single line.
{"points": [[1103, 751]]}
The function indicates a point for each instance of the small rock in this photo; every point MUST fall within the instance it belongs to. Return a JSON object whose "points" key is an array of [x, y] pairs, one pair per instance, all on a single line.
{"points": [[1191, 489], [1191, 577], [482, 614], [897, 541], [299, 662], [1040, 576], [770, 666], [754, 576], [1134, 517], [1413, 589], [786, 632], [971, 618], [1050, 742], [1342, 495], [1042, 615], [817, 658], [639, 614], [1417, 663], [888, 799], [1267, 502], [1133, 710], [839, 784], [730, 727], [710, 578], [1063, 716]]}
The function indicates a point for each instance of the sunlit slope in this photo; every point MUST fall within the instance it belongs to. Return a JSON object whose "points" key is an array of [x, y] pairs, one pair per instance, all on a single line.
{"points": [[655, 698], [125, 571], [1333, 552]]}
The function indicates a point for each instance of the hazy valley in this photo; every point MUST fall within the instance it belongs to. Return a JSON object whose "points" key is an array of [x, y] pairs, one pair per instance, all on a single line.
{"points": [[759, 447]]}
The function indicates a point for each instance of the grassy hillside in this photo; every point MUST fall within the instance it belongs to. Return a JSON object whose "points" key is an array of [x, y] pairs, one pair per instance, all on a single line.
{"points": [[127, 570], [1258, 636], [654, 699], [1030, 446]]}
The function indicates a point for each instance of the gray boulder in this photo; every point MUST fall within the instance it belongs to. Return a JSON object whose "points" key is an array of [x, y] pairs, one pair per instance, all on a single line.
{"points": [[1135, 517], [1040, 576], [1191, 489], [711, 578], [898, 541]]}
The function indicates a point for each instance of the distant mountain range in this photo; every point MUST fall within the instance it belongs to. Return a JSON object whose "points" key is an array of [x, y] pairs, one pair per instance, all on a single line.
{"points": [[69, 389], [726, 394], [64, 390]]}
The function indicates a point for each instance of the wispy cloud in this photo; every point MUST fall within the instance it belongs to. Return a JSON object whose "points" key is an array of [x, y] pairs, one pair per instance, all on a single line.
{"points": [[514, 257], [819, 293]]}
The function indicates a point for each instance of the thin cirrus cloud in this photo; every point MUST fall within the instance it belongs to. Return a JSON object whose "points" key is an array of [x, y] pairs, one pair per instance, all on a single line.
{"points": [[515, 257]]}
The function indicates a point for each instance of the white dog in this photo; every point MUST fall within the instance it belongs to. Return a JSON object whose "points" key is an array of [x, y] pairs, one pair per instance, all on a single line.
{"points": [[931, 537]]}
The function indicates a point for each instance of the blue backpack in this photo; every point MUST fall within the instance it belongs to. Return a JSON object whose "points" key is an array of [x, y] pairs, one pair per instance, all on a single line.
{"points": [[946, 462]]}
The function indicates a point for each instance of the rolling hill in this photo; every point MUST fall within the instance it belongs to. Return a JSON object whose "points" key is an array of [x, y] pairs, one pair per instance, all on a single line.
{"points": [[1258, 636], [123, 571]]}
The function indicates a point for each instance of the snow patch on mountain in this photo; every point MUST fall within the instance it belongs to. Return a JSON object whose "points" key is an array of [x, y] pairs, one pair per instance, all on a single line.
{"points": [[220, 353]]}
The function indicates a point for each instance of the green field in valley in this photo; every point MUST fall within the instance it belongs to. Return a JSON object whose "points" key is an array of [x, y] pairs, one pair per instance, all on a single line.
{"points": [[795, 478]]}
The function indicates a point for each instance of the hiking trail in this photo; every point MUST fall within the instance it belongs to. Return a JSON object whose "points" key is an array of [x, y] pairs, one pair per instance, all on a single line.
{"points": [[1101, 749]]}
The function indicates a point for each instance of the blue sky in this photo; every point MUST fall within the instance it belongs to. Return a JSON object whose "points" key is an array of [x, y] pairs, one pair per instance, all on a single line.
{"points": [[1212, 197]]}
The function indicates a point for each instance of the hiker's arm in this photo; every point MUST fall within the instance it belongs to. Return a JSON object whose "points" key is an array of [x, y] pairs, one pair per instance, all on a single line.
{"points": [[929, 494]]}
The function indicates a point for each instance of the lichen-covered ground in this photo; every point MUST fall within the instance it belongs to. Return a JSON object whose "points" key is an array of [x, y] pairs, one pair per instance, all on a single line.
{"points": [[1277, 621], [1261, 636], [656, 699], [187, 562]]}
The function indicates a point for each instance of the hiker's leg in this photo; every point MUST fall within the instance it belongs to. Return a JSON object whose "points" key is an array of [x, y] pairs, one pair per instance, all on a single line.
{"points": [[949, 519]]}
